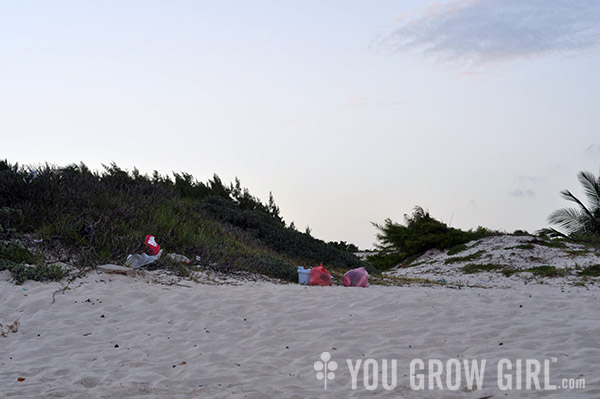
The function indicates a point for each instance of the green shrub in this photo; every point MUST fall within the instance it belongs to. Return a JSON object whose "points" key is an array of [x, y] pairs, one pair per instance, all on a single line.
{"points": [[15, 252], [591, 271], [509, 271], [547, 271], [576, 252], [527, 246], [540, 271], [590, 241], [457, 248], [554, 243], [273, 267], [11, 221], [103, 216], [344, 246], [420, 233], [258, 228], [490, 267], [458, 259], [21, 272], [385, 260]]}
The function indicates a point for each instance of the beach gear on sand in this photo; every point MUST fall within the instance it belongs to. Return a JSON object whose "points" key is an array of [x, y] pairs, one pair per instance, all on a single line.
{"points": [[139, 260], [151, 244], [303, 275], [356, 278], [319, 276]]}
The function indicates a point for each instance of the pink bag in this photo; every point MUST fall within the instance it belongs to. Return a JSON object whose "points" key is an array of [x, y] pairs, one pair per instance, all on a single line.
{"points": [[356, 278], [319, 276]]}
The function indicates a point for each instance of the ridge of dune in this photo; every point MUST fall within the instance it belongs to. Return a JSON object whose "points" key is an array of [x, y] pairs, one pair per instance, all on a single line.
{"points": [[516, 253]]}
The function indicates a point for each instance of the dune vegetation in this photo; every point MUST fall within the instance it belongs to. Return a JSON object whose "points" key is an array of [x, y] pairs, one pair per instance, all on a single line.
{"points": [[402, 243], [85, 218]]}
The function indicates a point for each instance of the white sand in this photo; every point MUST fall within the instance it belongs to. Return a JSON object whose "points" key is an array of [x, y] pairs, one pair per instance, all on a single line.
{"points": [[504, 250], [260, 340]]}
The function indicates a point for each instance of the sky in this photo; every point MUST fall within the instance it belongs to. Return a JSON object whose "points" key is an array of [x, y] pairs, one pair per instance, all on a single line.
{"points": [[349, 112]]}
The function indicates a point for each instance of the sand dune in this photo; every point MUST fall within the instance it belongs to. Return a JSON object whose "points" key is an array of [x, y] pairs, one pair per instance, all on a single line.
{"points": [[518, 253], [115, 336]]}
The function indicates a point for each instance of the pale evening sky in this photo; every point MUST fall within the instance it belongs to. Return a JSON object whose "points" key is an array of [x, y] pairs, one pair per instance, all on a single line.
{"points": [[350, 112]]}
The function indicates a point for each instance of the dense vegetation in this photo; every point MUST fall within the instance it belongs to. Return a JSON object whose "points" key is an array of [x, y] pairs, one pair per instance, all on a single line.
{"points": [[100, 217], [401, 243]]}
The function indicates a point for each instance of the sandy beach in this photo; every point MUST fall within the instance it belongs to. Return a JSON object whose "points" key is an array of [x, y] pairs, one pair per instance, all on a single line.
{"points": [[171, 170], [111, 336]]}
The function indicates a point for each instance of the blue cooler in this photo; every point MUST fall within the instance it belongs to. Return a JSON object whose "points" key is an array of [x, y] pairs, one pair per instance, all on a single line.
{"points": [[303, 275]]}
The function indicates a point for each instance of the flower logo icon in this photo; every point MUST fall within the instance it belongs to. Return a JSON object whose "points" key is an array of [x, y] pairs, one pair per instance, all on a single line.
{"points": [[325, 368]]}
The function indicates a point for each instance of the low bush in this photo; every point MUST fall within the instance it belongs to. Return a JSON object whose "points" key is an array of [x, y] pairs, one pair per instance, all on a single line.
{"points": [[15, 252], [524, 246], [458, 259], [538, 271], [547, 271], [420, 233], [591, 271], [553, 243], [457, 248], [21, 272], [490, 267]]}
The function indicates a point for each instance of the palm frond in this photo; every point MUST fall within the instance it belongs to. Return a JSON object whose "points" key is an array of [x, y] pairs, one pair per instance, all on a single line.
{"points": [[566, 194], [550, 232], [568, 219], [591, 188]]}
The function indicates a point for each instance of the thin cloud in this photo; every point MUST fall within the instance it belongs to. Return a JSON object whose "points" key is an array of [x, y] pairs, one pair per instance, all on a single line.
{"points": [[474, 32], [593, 151], [522, 193], [356, 101], [530, 179]]}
